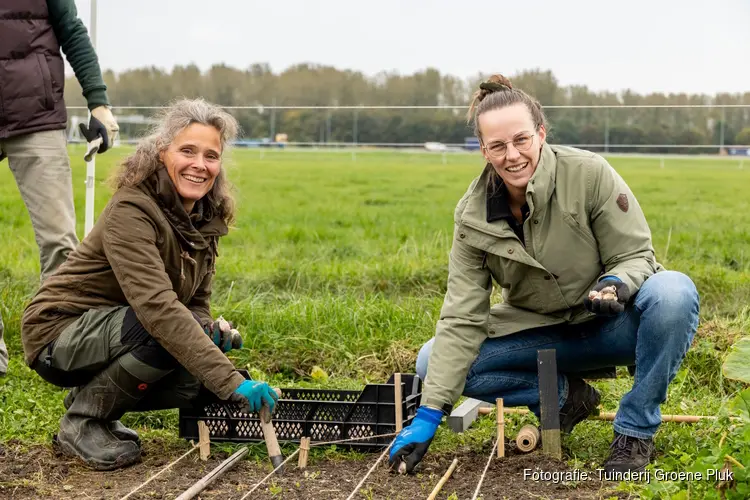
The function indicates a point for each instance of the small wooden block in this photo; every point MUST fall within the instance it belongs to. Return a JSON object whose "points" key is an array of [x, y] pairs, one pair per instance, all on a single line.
{"points": [[204, 440], [462, 417]]}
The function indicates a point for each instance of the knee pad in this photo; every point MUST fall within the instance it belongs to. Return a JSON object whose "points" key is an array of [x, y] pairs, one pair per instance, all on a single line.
{"points": [[147, 349]]}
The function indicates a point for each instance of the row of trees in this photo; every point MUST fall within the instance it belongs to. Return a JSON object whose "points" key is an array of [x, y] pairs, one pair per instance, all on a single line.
{"points": [[315, 85]]}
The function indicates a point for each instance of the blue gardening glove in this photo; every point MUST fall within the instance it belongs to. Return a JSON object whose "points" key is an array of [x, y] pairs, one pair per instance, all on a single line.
{"points": [[412, 442], [600, 300], [252, 395]]}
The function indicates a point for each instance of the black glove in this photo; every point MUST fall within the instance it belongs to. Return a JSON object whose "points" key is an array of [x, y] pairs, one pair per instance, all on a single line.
{"points": [[608, 307], [94, 130]]}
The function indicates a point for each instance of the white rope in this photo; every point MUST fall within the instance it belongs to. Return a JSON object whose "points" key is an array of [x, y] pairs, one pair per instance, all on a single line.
{"points": [[270, 474], [370, 472], [161, 471], [481, 479], [354, 439]]}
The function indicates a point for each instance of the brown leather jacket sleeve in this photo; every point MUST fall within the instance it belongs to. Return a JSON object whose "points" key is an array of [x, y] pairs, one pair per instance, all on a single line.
{"points": [[130, 244]]}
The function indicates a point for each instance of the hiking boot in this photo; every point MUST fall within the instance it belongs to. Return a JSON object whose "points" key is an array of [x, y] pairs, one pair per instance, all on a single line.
{"points": [[628, 454], [582, 402], [84, 429], [114, 426]]}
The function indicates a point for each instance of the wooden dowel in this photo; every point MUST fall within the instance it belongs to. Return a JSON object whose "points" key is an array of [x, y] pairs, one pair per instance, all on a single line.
{"points": [[500, 428], [206, 480], [443, 480], [610, 416]]}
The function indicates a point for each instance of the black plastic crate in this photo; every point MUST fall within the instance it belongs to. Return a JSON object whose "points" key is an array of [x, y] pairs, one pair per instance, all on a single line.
{"points": [[320, 414]]}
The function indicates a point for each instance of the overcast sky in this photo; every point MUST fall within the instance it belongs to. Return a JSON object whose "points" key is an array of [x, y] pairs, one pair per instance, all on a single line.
{"points": [[645, 45]]}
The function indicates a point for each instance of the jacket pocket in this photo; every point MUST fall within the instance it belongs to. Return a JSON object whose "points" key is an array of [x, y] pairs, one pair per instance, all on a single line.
{"points": [[49, 99], [582, 232]]}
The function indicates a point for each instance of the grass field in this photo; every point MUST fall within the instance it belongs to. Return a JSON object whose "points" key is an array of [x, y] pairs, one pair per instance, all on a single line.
{"points": [[341, 264]]}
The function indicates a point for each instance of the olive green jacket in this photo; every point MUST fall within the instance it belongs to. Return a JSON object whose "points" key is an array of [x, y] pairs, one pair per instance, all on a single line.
{"points": [[584, 223]]}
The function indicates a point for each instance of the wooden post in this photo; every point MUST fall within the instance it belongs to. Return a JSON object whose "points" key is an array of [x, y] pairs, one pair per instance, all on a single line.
{"points": [[528, 438], [304, 450], [204, 440], [549, 402], [398, 400], [500, 428]]}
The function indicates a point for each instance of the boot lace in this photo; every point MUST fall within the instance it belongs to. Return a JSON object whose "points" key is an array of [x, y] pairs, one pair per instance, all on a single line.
{"points": [[620, 449]]}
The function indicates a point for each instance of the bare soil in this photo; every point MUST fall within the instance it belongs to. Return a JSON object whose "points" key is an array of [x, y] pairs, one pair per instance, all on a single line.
{"points": [[38, 472]]}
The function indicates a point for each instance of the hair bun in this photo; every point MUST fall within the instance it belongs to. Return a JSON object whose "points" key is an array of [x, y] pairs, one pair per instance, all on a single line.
{"points": [[493, 86], [496, 83]]}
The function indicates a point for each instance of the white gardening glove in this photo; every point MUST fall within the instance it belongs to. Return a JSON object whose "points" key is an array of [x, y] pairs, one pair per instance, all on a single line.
{"points": [[107, 120]]}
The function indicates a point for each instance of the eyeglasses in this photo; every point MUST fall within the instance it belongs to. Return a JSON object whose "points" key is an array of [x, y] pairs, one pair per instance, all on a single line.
{"points": [[498, 150]]}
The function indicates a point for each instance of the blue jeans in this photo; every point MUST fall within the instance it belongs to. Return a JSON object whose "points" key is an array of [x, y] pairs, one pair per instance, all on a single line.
{"points": [[653, 333]]}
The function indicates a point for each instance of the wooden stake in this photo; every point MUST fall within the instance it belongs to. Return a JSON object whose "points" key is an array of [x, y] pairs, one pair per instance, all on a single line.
{"points": [[204, 440], [528, 438], [443, 480], [206, 480], [397, 399], [304, 449], [500, 428]]}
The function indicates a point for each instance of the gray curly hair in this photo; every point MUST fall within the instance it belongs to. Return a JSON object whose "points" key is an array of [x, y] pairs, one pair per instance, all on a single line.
{"points": [[144, 161]]}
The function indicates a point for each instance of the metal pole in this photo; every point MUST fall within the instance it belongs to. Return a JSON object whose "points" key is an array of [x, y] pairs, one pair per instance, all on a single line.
{"points": [[328, 126], [354, 135], [721, 131], [90, 165], [606, 132], [273, 120], [354, 131]]}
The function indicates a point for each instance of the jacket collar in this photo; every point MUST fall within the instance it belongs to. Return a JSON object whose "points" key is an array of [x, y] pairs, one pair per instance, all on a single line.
{"points": [[498, 206], [193, 229]]}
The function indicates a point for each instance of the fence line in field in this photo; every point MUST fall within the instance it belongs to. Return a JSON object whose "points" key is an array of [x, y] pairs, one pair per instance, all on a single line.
{"points": [[262, 107]]}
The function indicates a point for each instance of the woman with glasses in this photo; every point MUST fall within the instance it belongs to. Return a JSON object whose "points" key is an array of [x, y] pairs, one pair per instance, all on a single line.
{"points": [[563, 236]]}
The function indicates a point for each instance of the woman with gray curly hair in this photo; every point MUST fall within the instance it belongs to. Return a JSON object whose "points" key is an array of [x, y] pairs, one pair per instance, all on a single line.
{"points": [[125, 321]]}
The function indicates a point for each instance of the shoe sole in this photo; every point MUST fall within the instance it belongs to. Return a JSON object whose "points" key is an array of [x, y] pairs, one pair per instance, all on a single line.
{"points": [[124, 460]]}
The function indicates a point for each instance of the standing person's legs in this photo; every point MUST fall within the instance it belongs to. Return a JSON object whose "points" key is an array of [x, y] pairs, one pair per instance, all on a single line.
{"points": [[39, 161]]}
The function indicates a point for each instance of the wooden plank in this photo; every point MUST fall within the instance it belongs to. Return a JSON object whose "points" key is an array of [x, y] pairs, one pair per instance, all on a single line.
{"points": [[549, 402]]}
